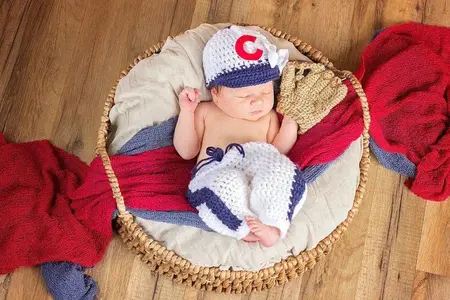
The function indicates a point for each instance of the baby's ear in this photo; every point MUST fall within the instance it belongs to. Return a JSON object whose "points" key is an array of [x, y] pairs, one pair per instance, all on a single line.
{"points": [[214, 93]]}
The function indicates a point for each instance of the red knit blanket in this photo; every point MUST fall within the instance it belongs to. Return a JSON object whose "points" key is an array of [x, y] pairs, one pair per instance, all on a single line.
{"points": [[405, 72], [48, 214]]}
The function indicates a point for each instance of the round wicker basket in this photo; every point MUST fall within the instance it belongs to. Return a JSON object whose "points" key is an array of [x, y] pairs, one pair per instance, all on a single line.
{"points": [[166, 262]]}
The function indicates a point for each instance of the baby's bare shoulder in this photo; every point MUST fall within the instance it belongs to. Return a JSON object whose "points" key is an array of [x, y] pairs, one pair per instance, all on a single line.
{"points": [[202, 109], [272, 116], [205, 105]]}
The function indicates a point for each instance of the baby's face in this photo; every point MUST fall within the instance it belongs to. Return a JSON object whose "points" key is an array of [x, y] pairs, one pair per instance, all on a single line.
{"points": [[249, 103]]}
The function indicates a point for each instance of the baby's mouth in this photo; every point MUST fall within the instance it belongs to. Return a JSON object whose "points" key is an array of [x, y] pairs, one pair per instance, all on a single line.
{"points": [[256, 112]]}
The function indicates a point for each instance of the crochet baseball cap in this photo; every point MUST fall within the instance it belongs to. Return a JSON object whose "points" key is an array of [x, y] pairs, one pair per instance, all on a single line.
{"points": [[237, 57]]}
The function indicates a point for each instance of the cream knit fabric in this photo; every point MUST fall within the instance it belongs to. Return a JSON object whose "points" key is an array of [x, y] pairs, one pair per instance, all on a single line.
{"points": [[308, 92], [254, 179], [237, 56]]}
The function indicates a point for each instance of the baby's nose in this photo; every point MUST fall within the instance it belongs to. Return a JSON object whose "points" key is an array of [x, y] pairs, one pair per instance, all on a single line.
{"points": [[256, 101]]}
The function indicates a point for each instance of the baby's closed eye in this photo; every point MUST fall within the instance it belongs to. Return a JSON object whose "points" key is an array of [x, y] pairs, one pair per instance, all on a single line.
{"points": [[249, 95]]}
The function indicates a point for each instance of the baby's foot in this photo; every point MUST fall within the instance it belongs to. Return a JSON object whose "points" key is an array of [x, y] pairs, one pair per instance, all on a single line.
{"points": [[268, 235], [251, 237]]}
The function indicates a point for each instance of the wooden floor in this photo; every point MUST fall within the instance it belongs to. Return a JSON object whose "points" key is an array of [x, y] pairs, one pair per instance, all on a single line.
{"points": [[58, 59]]}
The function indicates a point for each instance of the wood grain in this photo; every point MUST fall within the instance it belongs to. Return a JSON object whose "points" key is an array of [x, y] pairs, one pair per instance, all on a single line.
{"points": [[436, 13], [48, 41], [26, 283], [13, 16], [58, 59], [110, 48], [342, 269], [5, 280], [142, 282], [429, 286], [434, 251]]}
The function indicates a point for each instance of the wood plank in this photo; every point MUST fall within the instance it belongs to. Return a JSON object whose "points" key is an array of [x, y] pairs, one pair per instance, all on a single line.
{"points": [[182, 17], [200, 14], [365, 20], [434, 250], [436, 12], [142, 282], [219, 11], [112, 47], [405, 244], [47, 43], [239, 12], [167, 289], [392, 241], [113, 273], [395, 12], [154, 23], [27, 283], [264, 295], [340, 269], [214, 11], [306, 19], [223, 296], [290, 290], [430, 287], [13, 17], [4, 285], [192, 294]]}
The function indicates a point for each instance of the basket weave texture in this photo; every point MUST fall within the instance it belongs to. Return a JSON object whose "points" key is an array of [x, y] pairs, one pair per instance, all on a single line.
{"points": [[168, 263]]}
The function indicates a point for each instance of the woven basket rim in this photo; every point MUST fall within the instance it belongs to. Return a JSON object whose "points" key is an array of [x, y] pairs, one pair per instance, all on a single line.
{"points": [[175, 267]]}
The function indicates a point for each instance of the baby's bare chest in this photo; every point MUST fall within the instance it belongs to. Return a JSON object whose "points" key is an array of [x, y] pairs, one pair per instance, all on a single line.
{"points": [[220, 131], [238, 128]]}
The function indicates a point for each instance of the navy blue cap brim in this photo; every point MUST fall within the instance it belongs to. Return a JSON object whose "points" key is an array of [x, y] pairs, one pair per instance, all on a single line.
{"points": [[252, 75]]}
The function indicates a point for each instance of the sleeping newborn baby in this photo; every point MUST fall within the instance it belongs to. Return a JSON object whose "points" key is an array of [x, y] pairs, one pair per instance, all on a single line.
{"points": [[243, 185]]}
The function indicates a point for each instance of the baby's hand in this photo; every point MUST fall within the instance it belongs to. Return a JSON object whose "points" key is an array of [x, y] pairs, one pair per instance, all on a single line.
{"points": [[189, 99]]}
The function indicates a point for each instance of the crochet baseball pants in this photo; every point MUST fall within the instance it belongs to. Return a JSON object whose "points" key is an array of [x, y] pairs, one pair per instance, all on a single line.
{"points": [[253, 179]]}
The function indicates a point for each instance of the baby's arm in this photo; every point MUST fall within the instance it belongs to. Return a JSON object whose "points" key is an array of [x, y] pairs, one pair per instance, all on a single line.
{"points": [[284, 137], [190, 126]]}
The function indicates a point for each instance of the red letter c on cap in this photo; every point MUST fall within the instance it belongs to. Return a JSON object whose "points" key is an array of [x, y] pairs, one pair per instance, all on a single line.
{"points": [[239, 47]]}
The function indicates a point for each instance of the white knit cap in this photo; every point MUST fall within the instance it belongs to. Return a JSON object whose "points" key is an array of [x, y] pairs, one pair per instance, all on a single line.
{"points": [[236, 57]]}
